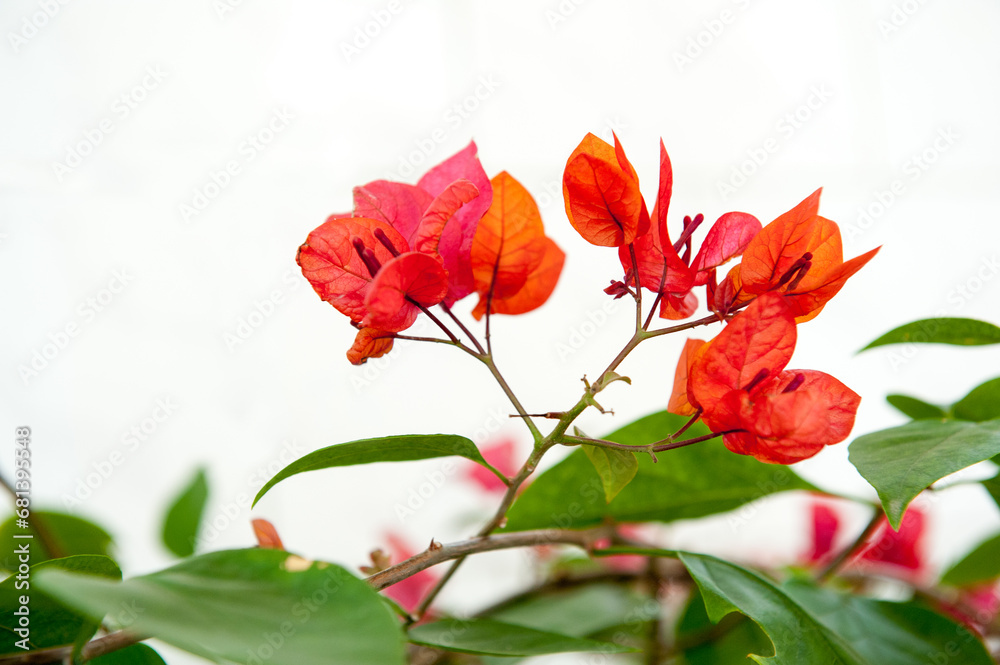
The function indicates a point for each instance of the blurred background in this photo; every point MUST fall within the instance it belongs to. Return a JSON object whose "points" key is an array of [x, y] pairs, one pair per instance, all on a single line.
{"points": [[161, 163]]}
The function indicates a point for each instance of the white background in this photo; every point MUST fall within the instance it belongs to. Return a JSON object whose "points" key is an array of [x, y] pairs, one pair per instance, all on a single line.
{"points": [[849, 94]]}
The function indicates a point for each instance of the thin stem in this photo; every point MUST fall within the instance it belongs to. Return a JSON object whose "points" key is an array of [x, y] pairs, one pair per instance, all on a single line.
{"points": [[670, 445], [638, 287], [488, 361], [44, 535], [468, 333], [436, 320], [93, 649], [652, 311], [846, 553], [694, 419]]}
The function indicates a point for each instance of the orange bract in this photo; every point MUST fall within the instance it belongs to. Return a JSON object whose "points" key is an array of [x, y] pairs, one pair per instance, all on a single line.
{"points": [[679, 402], [370, 343], [776, 416], [514, 264], [602, 195], [801, 255]]}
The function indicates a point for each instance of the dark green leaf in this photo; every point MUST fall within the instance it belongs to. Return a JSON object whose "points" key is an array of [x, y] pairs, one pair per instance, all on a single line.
{"points": [[704, 643], [694, 481], [137, 654], [242, 605], [404, 448], [980, 565], [616, 468], [888, 633], [962, 332], [180, 528], [494, 638], [50, 623], [71, 534], [902, 461], [982, 403], [580, 612], [915, 408], [807, 624]]}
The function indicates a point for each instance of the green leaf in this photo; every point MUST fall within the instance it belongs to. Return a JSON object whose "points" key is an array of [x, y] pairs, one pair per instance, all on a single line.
{"points": [[137, 654], [915, 408], [616, 468], [404, 448], [961, 332], [992, 486], [889, 633], [50, 623], [903, 461], [180, 528], [71, 534], [982, 403], [980, 565], [241, 605], [807, 624], [494, 638], [694, 481], [705, 644], [580, 612]]}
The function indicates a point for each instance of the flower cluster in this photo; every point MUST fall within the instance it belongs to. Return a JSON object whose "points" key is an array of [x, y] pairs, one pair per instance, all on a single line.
{"points": [[790, 269], [405, 248]]}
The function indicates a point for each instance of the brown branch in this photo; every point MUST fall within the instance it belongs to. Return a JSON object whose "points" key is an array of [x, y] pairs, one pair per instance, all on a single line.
{"points": [[435, 555], [93, 649]]}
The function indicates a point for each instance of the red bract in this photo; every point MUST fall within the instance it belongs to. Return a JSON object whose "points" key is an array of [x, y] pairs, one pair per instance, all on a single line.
{"points": [[739, 383], [799, 254], [404, 247], [514, 265], [503, 456], [602, 196], [899, 553]]}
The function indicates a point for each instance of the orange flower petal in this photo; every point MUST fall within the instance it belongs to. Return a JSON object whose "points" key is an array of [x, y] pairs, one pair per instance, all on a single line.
{"points": [[267, 535], [409, 278], [679, 403], [603, 201], [370, 343], [536, 290], [509, 242]]}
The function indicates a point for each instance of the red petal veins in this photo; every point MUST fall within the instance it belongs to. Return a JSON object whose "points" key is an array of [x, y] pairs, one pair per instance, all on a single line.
{"points": [[660, 268], [537, 288], [397, 203], [778, 245], [331, 264], [456, 239], [603, 201], [413, 276], [761, 337], [676, 307], [443, 208], [727, 239], [509, 242]]}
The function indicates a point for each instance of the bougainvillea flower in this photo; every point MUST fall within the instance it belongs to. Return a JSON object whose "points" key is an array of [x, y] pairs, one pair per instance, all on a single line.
{"points": [[799, 254], [515, 266], [660, 268], [601, 190], [899, 553], [739, 383], [727, 239], [404, 206], [405, 247]]}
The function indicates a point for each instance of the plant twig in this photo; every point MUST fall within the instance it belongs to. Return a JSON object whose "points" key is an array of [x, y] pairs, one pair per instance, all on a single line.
{"points": [[97, 647], [841, 558], [435, 555]]}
